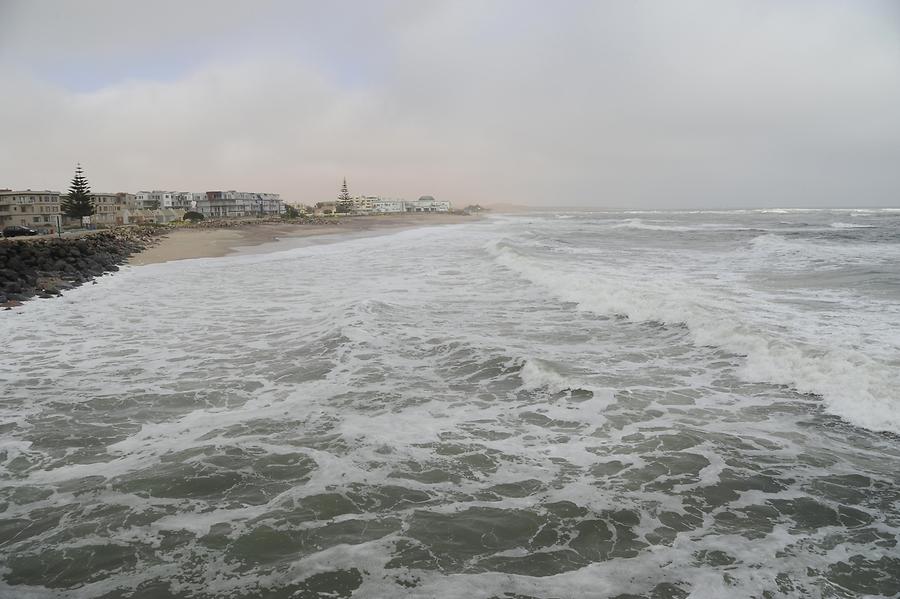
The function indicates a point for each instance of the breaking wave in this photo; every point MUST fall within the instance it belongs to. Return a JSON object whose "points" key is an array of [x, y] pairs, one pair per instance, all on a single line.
{"points": [[636, 223], [854, 385], [850, 226], [790, 251]]}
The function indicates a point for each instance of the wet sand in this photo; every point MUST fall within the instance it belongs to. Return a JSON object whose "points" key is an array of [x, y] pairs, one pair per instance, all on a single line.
{"points": [[182, 244]]}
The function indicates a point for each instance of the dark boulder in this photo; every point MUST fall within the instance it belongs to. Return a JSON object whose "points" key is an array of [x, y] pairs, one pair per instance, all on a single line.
{"points": [[30, 267]]}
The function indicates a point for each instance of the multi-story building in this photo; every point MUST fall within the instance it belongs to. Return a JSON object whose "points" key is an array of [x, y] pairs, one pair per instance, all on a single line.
{"points": [[151, 200], [233, 204], [181, 200], [359, 204], [129, 200], [108, 209], [379, 205], [148, 200], [35, 209], [388, 206], [427, 204]]}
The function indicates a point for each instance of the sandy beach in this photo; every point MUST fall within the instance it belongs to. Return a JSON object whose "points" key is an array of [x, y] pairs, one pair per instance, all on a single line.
{"points": [[183, 244]]}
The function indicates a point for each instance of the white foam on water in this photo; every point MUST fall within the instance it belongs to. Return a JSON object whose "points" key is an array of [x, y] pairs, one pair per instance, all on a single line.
{"points": [[776, 251], [823, 360], [839, 225], [637, 223], [386, 360], [537, 374]]}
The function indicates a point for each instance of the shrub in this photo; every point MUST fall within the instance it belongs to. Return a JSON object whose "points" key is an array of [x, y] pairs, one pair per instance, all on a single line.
{"points": [[192, 216]]}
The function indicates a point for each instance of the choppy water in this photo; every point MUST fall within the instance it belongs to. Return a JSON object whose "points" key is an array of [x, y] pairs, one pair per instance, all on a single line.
{"points": [[559, 405]]}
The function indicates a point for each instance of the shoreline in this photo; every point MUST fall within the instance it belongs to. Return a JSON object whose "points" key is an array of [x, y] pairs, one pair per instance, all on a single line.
{"points": [[46, 267], [189, 243]]}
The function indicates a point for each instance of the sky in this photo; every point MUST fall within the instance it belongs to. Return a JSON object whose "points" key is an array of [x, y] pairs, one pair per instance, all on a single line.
{"points": [[599, 104]]}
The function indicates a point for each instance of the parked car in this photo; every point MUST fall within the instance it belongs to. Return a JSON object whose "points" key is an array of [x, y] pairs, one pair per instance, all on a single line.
{"points": [[17, 230]]}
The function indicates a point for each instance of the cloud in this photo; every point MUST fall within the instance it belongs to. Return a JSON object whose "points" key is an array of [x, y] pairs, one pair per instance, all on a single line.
{"points": [[595, 104]]}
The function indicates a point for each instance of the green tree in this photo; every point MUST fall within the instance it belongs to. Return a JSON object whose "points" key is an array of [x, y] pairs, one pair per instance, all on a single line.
{"points": [[343, 203], [77, 202], [291, 212]]}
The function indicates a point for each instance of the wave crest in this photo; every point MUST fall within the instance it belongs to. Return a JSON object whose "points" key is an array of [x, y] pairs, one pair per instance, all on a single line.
{"points": [[854, 386]]}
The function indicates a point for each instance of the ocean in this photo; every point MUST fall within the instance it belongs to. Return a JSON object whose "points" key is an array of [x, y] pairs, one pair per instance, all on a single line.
{"points": [[604, 404]]}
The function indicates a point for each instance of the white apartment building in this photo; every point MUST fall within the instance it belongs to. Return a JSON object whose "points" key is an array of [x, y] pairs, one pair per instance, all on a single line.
{"points": [[362, 204], [234, 204], [164, 199], [388, 206], [147, 200], [427, 204], [181, 200]]}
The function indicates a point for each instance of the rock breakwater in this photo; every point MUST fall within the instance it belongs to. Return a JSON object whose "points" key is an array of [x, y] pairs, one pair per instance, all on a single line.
{"points": [[47, 267], [233, 223]]}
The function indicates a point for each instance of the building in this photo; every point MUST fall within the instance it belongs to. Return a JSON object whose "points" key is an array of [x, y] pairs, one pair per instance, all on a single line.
{"points": [[324, 208], [427, 204], [151, 200], [35, 209], [236, 204], [108, 209], [128, 199], [360, 204], [181, 200], [379, 205], [140, 216], [388, 206]]}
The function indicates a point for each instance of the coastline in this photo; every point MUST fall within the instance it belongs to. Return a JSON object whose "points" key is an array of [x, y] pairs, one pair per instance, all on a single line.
{"points": [[45, 267], [187, 243]]}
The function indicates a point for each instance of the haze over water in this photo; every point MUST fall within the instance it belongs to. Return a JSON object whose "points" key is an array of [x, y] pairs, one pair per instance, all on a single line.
{"points": [[605, 404]]}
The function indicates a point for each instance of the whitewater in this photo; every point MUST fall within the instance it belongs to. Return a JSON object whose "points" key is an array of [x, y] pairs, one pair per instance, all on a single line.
{"points": [[594, 404]]}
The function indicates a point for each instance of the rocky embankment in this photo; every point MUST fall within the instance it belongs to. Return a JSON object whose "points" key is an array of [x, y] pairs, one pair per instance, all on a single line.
{"points": [[46, 267], [233, 223]]}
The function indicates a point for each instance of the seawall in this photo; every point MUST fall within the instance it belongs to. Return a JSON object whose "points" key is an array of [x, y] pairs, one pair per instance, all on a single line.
{"points": [[46, 267]]}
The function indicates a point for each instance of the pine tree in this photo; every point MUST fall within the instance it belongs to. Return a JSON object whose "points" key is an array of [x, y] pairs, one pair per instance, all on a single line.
{"points": [[343, 201], [78, 201]]}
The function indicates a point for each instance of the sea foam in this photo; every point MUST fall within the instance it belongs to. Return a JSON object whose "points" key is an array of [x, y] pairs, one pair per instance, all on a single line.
{"points": [[819, 360]]}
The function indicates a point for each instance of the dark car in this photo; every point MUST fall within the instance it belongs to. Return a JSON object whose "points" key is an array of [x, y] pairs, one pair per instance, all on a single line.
{"points": [[16, 231]]}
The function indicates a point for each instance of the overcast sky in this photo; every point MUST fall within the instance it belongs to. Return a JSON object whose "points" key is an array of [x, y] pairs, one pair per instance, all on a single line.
{"points": [[608, 104]]}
